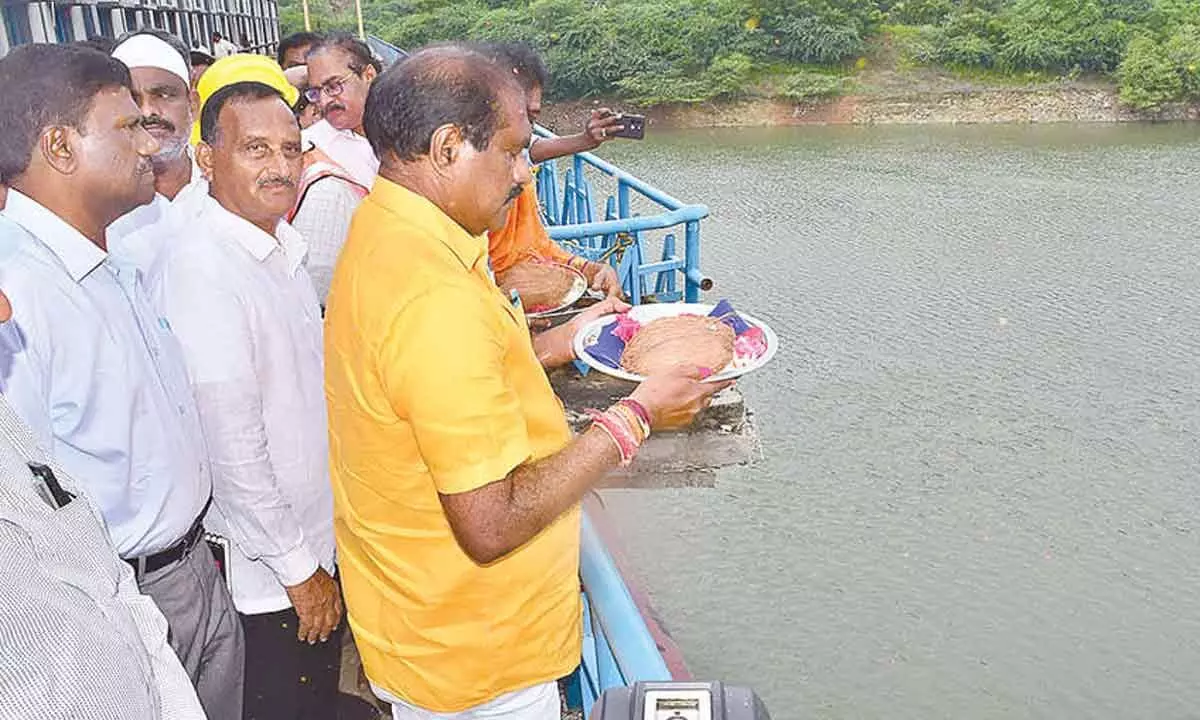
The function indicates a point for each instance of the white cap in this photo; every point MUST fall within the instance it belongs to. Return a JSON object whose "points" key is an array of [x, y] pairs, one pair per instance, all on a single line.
{"points": [[149, 51]]}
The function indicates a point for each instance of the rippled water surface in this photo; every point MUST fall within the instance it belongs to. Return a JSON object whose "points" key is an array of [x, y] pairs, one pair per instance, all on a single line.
{"points": [[982, 435]]}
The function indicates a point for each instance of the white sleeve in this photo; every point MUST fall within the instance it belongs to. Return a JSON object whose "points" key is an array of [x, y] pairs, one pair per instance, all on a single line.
{"points": [[212, 324]]}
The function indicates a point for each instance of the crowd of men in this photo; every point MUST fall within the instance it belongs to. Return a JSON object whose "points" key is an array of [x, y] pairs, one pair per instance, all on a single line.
{"points": [[251, 345]]}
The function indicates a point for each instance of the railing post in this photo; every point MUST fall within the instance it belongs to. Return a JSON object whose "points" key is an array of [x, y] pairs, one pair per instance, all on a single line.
{"points": [[580, 199], [568, 212], [666, 280], [691, 264]]}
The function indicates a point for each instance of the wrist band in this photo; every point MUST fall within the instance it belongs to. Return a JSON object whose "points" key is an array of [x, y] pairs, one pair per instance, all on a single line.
{"points": [[640, 410], [639, 429], [620, 431]]}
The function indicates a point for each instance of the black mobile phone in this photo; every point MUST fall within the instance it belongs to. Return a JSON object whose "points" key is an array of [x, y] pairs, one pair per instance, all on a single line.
{"points": [[633, 127]]}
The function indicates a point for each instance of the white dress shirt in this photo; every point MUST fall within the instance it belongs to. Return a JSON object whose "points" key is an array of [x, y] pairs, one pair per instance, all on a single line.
{"points": [[247, 316], [138, 236], [224, 48], [99, 377], [323, 219], [346, 148], [79, 640]]}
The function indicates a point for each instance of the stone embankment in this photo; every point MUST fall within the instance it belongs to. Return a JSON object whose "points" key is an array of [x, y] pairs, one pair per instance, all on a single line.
{"points": [[1003, 105]]}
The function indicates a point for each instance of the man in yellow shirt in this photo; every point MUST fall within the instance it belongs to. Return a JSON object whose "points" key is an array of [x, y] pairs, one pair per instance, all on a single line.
{"points": [[456, 479]]}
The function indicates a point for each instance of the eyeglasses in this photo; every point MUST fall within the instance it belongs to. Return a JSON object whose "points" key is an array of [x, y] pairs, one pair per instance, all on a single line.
{"points": [[332, 88]]}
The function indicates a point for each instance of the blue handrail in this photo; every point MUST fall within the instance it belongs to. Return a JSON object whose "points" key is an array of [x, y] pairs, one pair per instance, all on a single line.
{"points": [[618, 647], [620, 236]]}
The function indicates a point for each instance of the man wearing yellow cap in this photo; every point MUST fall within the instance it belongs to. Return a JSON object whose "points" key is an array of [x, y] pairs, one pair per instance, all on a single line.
{"points": [[242, 67], [232, 285]]}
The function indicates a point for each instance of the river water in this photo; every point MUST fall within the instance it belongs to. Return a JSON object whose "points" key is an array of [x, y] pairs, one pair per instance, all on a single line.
{"points": [[979, 496]]}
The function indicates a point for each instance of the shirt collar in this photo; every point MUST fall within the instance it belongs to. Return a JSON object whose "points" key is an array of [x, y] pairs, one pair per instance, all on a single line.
{"points": [[196, 173], [469, 249], [259, 244], [78, 255]]}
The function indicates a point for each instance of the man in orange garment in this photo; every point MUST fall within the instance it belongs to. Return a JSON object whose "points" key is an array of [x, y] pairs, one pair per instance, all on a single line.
{"points": [[523, 236]]}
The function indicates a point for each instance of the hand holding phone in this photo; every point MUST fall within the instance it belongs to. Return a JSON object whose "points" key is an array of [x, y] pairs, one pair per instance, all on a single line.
{"points": [[633, 126], [606, 124]]}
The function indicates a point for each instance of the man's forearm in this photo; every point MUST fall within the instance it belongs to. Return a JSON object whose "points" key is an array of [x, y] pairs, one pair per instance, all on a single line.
{"points": [[505, 515], [544, 149]]}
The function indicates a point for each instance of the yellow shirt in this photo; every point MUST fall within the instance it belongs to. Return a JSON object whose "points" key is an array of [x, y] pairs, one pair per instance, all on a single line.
{"points": [[433, 386]]}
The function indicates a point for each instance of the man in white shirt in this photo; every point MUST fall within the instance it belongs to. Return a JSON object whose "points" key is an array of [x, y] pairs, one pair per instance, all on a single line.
{"points": [[340, 165], [159, 66], [85, 360], [106, 658], [341, 69], [222, 47], [235, 291]]}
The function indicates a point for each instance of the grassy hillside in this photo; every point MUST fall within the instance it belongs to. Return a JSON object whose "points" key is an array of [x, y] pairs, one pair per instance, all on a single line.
{"points": [[664, 51]]}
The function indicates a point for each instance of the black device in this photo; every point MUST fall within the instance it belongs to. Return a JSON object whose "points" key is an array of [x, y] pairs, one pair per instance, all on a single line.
{"points": [[59, 497], [679, 701], [633, 127]]}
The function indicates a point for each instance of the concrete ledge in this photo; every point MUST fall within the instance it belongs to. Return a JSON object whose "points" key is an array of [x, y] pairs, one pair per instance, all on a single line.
{"points": [[722, 436]]}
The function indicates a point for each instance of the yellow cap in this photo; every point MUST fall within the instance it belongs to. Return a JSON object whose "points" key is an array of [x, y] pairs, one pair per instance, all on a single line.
{"points": [[242, 67]]}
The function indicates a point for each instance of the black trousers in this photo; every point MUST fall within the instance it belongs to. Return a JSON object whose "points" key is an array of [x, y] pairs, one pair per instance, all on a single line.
{"points": [[287, 679]]}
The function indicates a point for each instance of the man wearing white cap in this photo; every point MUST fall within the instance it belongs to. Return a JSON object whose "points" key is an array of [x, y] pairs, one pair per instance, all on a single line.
{"points": [[159, 66]]}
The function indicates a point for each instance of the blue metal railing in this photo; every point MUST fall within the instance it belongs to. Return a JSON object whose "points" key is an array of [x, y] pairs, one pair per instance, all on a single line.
{"points": [[618, 648], [620, 236]]}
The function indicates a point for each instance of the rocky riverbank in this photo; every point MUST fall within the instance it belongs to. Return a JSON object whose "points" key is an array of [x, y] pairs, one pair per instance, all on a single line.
{"points": [[970, 105]]}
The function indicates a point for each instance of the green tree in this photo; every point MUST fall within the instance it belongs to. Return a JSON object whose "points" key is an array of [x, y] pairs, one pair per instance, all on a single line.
{"points": [[1148, 77]]}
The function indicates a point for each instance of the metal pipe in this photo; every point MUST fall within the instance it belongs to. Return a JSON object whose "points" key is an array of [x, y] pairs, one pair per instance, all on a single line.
{"points": [[684, 214], [699, 280]]}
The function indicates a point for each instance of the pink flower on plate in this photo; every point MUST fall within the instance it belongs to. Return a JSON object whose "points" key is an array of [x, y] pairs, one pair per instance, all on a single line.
{"points": [[626, 327], [750, 344]]}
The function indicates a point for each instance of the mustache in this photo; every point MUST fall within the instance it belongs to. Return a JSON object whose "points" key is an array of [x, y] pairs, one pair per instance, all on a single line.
{"points": [[333, 106], [277, 181], [157, 121]]}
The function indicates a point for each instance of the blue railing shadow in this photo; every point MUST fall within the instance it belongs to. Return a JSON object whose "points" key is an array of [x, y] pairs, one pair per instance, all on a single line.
{"points": [[621, 237], [618, 648]]}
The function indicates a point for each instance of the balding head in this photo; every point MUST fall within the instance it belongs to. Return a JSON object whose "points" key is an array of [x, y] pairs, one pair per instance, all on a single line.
{"points": [[442, 85], [450, 124]]}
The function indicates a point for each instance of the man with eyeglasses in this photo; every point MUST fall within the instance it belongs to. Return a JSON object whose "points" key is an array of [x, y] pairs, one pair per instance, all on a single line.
{"points": [[341, 69], [339, 164]]}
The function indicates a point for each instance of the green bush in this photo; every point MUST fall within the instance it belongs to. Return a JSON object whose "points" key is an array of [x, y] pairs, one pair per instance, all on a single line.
{"points": [[1183, 50], [1148, 77], [691, 50], [729, 76], [968, 50], [803, 86], [1061, 35], [816, 40], [913, 44]]}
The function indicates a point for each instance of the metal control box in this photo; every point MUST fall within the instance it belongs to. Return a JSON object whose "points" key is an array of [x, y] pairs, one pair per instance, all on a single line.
{"points": [[679, 701]]}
